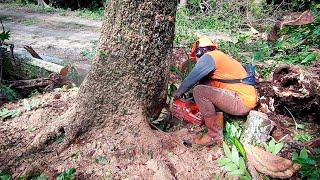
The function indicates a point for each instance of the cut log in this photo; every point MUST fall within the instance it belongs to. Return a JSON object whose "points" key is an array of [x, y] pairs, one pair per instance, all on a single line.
{"points": [[32, 52], [25, 57]]}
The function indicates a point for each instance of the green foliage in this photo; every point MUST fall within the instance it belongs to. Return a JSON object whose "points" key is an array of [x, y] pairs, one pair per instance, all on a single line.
{"points": [[91, 13], [4, 35], [296, 42], [34, 104], [90, 54], [42, 177], [101, 160], [5, 176], [5, 113], [310, 165], [232, 130], [59, 138], [302, 137], [183, 32], [67, 175], [171, 89], [266, 71], [180, 74], [9, 93], [232, 134], [273, 147], [233, 163], [177, 72]]}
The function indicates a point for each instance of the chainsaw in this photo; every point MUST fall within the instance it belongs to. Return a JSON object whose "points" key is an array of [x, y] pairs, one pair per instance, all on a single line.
{"points": [[186, 110]]}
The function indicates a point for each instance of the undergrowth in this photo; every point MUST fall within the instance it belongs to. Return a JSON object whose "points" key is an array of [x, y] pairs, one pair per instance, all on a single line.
{"points": [[295, 45], [95, 13]]}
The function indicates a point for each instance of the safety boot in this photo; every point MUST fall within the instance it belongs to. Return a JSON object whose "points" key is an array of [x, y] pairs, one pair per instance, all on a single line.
{"points": [[215, 131]]}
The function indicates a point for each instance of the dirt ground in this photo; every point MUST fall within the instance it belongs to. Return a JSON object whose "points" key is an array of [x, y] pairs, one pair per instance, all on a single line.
{"points": [[51, 34], [95, 155]]}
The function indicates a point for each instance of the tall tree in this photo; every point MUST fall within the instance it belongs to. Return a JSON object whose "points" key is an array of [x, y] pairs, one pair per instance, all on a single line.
{"points": [[42, 3], [126, 85], [128, 80], [129, 74]]}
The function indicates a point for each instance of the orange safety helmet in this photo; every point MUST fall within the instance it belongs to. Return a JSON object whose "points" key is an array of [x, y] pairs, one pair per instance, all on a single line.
{"points": [[203, 41]]}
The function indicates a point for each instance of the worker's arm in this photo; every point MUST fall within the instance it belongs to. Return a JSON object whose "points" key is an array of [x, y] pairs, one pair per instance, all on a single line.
{"points": [[202, 68]]}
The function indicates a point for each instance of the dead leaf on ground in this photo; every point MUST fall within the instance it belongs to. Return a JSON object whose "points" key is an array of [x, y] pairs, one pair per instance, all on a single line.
{"points": [[294, 19], [270, 164], [297, 18]]}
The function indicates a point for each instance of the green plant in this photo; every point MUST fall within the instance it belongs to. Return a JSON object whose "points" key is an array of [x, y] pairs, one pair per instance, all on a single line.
{"points": [[5, 113], [233, 163], [310, 165], [4, 35], [90, 54], [182, 75], [9, 93], [58, 138], [4, 175], [67, 175], [42, 177], [302, 137], [171, 89], [34, 104], [273, 147], [91, 13], [101, 160], [232, 134]]}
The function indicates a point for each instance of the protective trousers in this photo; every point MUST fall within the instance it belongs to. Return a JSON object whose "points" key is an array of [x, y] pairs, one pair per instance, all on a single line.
{"points": [[209, 99]]}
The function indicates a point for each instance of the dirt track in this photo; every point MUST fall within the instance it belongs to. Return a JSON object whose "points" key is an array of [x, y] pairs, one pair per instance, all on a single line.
{"points": [[50, 33]]}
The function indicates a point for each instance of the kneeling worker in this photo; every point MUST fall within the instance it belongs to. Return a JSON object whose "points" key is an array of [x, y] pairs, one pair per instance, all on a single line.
{"points": [[223, 91]]}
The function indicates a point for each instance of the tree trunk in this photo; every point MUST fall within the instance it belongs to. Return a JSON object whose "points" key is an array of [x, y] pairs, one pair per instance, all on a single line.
{"points": [[129, 74], [183, 2], [126, 85], [42, 3]]}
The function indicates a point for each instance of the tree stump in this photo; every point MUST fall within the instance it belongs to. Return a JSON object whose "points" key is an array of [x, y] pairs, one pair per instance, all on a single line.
{"points": [[257, 128]]}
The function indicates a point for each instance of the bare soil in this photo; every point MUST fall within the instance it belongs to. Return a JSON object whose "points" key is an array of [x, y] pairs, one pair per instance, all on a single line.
{"points": [[86, 153], [95, 155]]}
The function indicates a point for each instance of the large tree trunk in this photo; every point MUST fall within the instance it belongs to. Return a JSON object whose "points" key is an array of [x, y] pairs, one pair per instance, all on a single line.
{"points": [[129, 73], [42, 3], [126, 85]]}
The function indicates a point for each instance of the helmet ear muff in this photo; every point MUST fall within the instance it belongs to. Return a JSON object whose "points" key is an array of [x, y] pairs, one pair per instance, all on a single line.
{"points": [[200, 51]]}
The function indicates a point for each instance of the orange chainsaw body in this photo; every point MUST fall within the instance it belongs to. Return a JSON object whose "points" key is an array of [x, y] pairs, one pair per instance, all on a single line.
{"points": [[186, 111]]}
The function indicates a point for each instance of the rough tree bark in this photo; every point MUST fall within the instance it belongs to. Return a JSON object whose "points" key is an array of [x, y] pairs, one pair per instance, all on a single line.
{"points": [[127, 83], [128, 76], [42, 3]]}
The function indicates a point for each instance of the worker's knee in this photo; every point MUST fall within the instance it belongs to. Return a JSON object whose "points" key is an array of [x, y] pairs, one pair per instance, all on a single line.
{"points": [[198, 91]]}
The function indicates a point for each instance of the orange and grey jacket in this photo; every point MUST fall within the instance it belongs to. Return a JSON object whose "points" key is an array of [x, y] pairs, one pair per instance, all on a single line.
{"points": [[217, 65]]}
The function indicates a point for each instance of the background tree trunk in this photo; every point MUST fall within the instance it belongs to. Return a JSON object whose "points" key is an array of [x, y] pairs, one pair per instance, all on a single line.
{"points": [[126, 85], [129, 73], [183, 2], [42, 3]]}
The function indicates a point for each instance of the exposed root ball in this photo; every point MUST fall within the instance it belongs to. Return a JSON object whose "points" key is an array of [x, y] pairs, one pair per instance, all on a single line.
{"points": [[294, 91]]}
